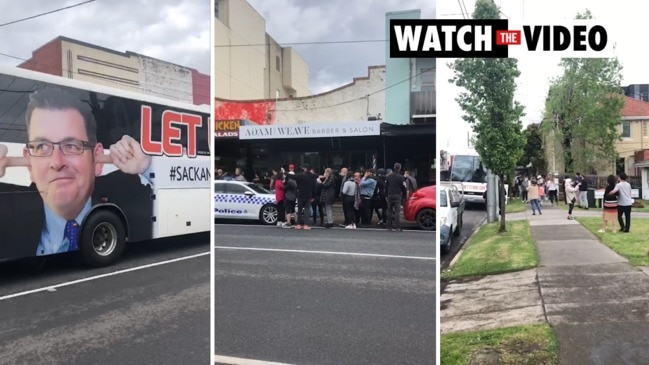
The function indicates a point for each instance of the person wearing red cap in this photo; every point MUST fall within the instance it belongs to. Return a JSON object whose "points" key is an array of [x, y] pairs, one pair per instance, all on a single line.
{"points": [[291, 169]]}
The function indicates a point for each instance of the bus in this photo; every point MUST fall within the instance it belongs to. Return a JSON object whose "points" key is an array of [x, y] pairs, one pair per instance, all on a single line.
{"points": [[467, 171], [86, 168]]}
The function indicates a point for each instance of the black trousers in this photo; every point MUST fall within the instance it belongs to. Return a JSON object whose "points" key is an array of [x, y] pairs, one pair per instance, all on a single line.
{"points": [[348, 209], [281, 212], [317, 209], [379, 206], [394, 211], [301, 210], [626, 211], [366, 209]]}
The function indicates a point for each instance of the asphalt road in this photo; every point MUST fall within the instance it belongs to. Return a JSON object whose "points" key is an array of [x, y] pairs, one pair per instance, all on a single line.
{"points": [[473, 216], [325, 296], [152, 307]]}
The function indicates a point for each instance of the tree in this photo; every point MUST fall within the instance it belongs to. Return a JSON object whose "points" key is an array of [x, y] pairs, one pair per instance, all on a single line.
{"points": [[583, 110], [533, 152], [490, 108]]}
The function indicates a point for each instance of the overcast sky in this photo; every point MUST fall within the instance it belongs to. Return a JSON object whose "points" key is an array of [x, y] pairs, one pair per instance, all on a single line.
{"points": [[333, 65], [176, 31], [624, 20]]}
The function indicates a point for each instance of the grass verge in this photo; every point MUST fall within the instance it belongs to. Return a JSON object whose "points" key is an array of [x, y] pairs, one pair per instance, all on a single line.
{"points": [[515, 206], [633, 245], [534, 344], [490, 252]]}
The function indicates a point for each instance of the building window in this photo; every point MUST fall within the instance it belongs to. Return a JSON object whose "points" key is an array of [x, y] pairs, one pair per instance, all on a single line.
{"points": [[216, 9], [276, 93], [626, 129], [277, 63], [428, 79], [644, 129]]}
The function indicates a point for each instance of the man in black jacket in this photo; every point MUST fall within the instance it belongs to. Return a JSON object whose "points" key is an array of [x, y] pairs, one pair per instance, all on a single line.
{"points": [[396, 192], [583, 191], [379, 204], [305, 190]]}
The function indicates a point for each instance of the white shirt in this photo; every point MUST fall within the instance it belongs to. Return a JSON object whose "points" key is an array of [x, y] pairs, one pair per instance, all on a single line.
{"points": [[624, 193], [53, 238]]}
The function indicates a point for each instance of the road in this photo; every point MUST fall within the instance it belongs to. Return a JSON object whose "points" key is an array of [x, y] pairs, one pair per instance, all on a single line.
{"points": [[473, 216], [333, 296], [152, 307]]}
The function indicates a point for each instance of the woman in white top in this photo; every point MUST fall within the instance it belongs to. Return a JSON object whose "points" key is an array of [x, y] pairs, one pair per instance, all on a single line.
{"points": [[552, 190], [349, 196], [571, 195]]}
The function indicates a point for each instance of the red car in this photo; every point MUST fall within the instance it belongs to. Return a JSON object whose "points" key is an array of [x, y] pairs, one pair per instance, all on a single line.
{"points": [[421, 208]]}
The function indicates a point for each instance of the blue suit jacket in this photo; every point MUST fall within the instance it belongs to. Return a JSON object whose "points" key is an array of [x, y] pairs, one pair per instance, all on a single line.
{"points": [[22, 216]]}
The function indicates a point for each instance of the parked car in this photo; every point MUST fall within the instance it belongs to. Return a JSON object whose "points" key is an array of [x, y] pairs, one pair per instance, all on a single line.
{"points": [[450, 210], [420, 208], [244, 200]]}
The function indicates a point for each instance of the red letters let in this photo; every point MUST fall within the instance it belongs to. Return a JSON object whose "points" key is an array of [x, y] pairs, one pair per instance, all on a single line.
{"points": [[171, 133]]}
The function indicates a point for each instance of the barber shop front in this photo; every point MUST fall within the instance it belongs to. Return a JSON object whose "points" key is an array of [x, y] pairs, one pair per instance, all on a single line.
{"points": [[258, 149]]}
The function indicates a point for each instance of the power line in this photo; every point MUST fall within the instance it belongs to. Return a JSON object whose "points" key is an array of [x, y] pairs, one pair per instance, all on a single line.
{"points": [[304, 43], [46, 13]]}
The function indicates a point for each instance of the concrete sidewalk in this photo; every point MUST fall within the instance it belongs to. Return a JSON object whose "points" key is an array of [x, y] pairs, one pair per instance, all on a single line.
{"points": [[597, 303]]}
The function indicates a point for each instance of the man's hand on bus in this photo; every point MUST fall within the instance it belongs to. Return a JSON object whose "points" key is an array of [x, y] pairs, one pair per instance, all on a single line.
{"points": [[127, 155]]}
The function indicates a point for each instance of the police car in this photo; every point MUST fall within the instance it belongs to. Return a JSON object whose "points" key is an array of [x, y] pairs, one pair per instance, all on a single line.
{"points": [[244, 200]]}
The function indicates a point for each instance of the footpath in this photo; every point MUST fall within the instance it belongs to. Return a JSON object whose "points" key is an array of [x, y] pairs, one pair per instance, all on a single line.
{"points": [[596, 302]]}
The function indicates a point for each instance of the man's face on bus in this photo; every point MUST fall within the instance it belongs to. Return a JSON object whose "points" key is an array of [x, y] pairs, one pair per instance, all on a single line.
{"points": [[65, 181]]}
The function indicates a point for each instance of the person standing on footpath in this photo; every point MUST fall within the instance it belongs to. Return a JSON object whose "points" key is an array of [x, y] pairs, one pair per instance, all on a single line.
{"points": [[290, 197], [524, 185], [343, 178], [533, 196], [327, 196], [278, 181], [609, 213], [367, 187], [571, 195], [379, 204], [395, 187], [348, 192], [583, 191], [552, 190], [624, 202], [306, 182]]}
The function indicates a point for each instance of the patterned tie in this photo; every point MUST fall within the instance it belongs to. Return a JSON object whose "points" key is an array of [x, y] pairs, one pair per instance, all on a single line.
{"points": [[72, 233]]}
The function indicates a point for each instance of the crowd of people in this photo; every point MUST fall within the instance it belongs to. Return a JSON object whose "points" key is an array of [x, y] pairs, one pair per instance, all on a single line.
{"points": [[617, 200], [304, 196]]}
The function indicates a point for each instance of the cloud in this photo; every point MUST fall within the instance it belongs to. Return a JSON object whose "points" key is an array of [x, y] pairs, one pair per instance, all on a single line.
{"points": [[163, 27], [314, 21]]}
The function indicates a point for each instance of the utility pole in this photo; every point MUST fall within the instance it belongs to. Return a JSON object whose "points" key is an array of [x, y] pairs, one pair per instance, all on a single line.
{"points": [[492, 197]]}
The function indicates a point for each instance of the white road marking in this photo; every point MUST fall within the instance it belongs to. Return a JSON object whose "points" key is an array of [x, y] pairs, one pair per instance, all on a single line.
{"points": [[52, 288], [416, 230], [239, 361], [326, 252]]}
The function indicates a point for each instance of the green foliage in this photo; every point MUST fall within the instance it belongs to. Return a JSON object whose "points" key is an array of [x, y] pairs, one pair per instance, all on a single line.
{"points": [[531, 344], [489, 106], [583, 109], [490, 252], [533, 151]]}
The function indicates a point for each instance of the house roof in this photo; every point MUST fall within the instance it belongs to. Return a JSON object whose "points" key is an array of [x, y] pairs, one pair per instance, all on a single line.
{"points": [[635, 108]]}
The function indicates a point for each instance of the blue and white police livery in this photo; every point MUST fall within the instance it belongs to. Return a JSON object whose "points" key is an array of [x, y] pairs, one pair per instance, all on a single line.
{"points": [[244, 200]]}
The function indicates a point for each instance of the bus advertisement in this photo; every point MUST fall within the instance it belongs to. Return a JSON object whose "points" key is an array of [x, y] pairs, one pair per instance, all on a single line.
{"points": [[86, 168]]}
